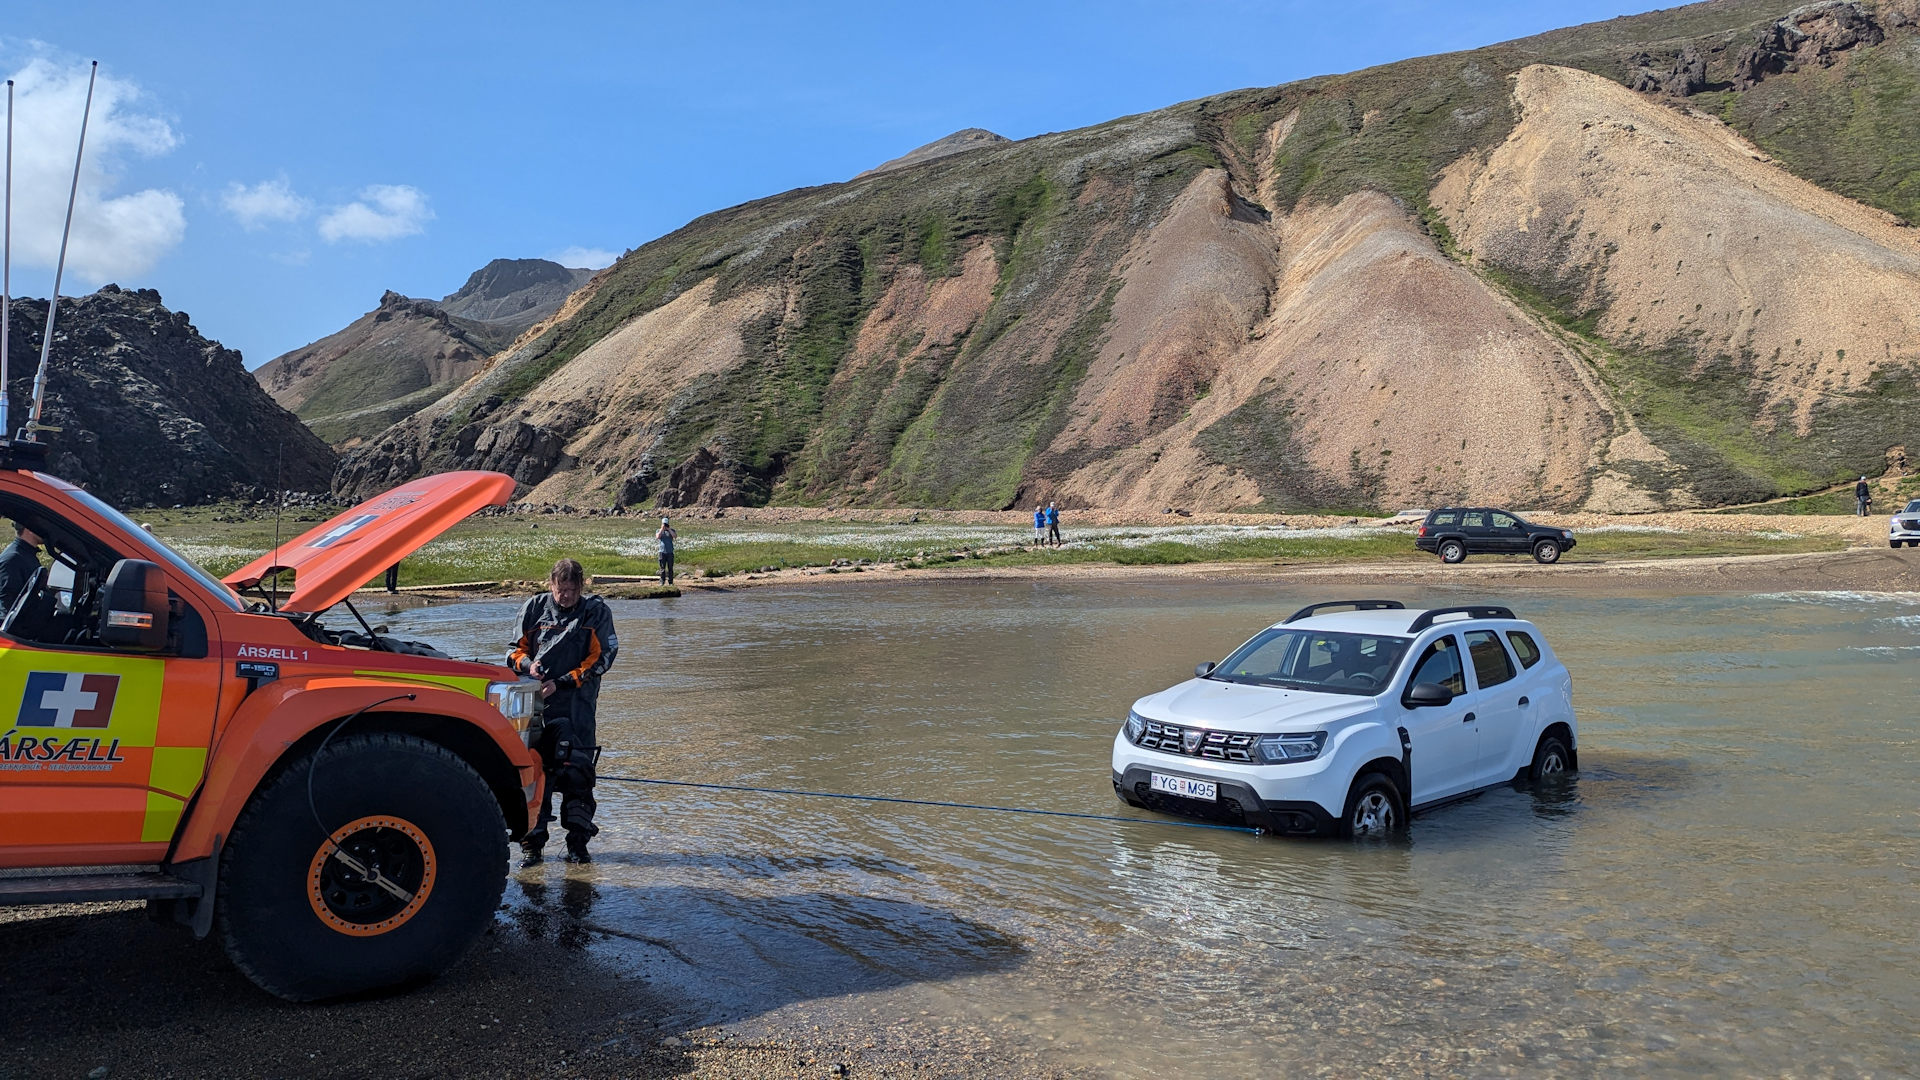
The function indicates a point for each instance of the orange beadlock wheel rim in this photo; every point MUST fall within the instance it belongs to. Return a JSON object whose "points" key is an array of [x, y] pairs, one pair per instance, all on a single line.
{"points": [[356, 904]]}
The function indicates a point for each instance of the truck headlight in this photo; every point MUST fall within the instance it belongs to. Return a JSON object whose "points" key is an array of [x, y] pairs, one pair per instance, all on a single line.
{"points": [[1284, 749], [519, 702], [1135, 726]]}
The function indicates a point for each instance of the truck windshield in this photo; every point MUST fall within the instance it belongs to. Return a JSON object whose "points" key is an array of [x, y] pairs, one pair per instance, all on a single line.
{"points": [[158, 548], [1331, 663]]}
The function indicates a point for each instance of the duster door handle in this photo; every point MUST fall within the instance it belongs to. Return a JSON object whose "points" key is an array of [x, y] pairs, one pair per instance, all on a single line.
{"points": [[1523, 702], [1467, 719]]}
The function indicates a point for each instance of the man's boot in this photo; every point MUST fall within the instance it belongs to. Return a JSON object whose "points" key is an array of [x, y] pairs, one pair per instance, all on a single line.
{"points": [[577, 849], [532, 845]]}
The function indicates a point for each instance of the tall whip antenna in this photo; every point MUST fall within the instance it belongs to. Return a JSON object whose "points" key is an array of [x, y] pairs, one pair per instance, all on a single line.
{"points": [[279, 507], [6, 269], [34, 426]]}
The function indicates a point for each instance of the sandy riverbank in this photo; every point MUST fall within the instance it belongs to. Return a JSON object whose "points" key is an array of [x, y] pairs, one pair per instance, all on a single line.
{"points": [[1861, 569]]}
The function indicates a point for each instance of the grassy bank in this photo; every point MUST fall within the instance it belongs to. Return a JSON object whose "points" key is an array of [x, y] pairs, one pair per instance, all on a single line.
{"points": [[523, 548]]}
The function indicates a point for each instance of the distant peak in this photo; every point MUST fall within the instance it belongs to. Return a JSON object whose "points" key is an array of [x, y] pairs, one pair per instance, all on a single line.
{"points": [[504, 277], [957, 143]]}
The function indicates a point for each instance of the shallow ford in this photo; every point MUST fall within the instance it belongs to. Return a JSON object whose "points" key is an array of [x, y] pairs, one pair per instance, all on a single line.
{"points": [[1347, 722]]}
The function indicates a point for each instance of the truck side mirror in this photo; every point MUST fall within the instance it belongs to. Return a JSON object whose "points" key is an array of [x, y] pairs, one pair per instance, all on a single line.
{"points": [[1201, 670], [1428, 694], [133, 607]]}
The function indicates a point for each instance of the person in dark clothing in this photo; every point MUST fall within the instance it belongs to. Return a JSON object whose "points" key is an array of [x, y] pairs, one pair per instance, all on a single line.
{"points": [[18, 563], [1053, 525], [1862, 498], [567, 642], [393, 578], [666, 536]]}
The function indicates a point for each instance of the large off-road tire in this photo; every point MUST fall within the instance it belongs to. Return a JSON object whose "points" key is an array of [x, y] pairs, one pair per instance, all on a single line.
{"points": [[1376, 808], [1546, 552], [1551, 760], [300, 922], [1453, 551]]}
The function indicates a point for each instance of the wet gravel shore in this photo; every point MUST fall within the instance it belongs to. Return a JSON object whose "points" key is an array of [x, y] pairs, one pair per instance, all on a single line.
{"points": [[99, 991]]}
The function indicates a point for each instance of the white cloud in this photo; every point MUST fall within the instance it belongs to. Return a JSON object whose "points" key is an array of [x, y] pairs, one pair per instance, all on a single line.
{"points": [[114, 235], [383, 212], [265, 203], [585, 258]]}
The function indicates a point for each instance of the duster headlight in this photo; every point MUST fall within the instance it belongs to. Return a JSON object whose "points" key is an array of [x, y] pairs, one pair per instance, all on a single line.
{"points": [[1287, 749], [1135, 726]]}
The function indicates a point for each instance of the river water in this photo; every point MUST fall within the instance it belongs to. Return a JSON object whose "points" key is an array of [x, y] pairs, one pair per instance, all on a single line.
{"points": [[1728, 887]]}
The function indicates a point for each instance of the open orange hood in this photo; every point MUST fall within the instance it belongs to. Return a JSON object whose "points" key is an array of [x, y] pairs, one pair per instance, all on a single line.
{"points": [[331, 560]]}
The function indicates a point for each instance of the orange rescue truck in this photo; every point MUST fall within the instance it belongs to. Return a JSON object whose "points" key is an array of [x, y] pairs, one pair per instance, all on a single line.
{"points": [[335, 804]]}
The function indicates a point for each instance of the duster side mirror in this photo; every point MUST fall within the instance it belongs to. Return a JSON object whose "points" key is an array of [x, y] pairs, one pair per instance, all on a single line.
{"points": [[1200, 671], [1428, 694], [134, 613]]}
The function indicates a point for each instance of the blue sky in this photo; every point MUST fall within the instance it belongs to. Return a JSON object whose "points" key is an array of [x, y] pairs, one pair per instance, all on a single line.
{"points": [[271, 168]]}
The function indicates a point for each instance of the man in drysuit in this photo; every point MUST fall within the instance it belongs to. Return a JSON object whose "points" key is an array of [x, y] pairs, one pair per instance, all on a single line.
{"points": [[567, 642]]}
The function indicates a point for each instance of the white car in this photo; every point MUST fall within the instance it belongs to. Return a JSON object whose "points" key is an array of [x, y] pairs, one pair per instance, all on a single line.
{"points": [[1346, 722], [1905, 526]]}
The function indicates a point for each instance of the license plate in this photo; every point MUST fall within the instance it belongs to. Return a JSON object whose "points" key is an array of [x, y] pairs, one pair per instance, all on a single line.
{"points": [[1204, 790]]}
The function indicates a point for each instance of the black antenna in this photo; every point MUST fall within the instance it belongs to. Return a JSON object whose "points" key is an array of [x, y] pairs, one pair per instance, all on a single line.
{"points": [[279, 504], [34, 427], [6, 270]]}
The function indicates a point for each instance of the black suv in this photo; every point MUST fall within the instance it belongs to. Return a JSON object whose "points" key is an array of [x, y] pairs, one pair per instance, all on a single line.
{"points": [[1455, 532]]}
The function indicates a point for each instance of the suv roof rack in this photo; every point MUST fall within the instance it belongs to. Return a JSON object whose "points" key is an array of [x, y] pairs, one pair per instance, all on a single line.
{"points": [[1471, 611], [1357, 605]]}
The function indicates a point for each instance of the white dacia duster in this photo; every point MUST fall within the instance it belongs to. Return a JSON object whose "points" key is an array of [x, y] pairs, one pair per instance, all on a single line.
{"points": [[1346, 722]]}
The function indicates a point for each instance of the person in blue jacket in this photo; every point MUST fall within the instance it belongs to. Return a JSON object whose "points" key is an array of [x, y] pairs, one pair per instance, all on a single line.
{"points": [[1053, 525], [1040, 525]]}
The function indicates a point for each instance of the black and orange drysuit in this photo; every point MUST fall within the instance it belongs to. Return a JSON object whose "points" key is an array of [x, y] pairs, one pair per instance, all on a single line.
{"points": [[574, 647]]}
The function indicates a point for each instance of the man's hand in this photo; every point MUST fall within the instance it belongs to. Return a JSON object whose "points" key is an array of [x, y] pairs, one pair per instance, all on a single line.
{"points": [[547, 689], [535, 670]]}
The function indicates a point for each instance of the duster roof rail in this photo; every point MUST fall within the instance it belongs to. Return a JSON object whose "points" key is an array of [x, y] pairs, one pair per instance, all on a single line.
{"points": [[1357, 605], [1471, 611]]}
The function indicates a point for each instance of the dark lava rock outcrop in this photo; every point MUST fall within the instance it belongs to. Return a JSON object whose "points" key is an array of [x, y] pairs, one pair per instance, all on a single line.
{"points": [[1809, 35], [151, 413]]}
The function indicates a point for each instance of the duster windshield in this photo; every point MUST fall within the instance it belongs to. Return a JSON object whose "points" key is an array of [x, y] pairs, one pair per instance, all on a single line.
{"points": [[1319, 660]]}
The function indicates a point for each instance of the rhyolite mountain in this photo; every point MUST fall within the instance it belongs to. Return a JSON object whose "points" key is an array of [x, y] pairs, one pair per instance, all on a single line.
{"points": [[1666, 260], [151, 413], [406, 353]]}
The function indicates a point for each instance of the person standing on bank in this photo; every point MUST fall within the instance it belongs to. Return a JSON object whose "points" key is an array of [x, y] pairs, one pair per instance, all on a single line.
{"points": [[1053, 525], [1862, 498], [1040, 525], [567, 642], [666, 536], [18, 564]]}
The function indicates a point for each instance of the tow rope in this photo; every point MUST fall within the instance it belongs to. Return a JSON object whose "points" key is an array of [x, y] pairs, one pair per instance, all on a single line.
{"points": [[930, 802]]}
